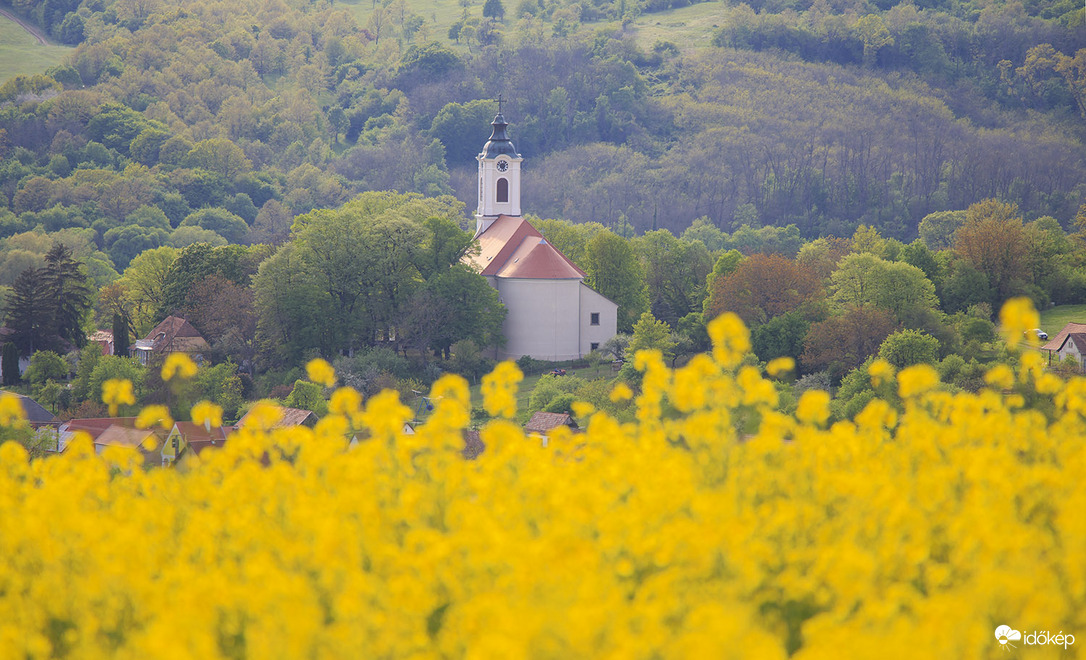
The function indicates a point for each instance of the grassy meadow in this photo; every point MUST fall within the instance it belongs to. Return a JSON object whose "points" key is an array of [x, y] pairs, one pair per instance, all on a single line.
{"points": [[20, 53], [1054, 318]]}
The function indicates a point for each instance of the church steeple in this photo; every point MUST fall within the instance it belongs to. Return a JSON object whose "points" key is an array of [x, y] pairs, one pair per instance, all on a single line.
{"points": [[499, 176]]}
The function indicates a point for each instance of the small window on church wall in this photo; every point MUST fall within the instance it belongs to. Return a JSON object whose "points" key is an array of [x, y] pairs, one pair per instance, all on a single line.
{"points": [[503, 190], [595, 318]]}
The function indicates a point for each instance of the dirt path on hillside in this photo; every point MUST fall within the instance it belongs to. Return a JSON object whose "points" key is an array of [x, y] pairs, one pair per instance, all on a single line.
{"points": [[24, 25]]}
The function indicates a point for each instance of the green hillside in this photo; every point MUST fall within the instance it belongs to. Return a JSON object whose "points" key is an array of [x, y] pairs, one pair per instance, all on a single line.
{"points": [[21, 54]]}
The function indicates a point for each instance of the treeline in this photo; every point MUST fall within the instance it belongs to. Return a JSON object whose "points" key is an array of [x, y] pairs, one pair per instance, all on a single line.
{"points": [[221, 122]]}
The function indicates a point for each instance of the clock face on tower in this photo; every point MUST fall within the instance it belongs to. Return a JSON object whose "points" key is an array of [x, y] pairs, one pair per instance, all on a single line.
{"points": [[503, 165]]}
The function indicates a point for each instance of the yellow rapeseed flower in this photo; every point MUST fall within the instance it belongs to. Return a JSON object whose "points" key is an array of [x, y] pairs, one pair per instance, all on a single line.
{"points": [[917, 379], [621, 392], [11, 410], [731, 339], [154, 415], [207, 413], [1000, 376], [813, 407], [117, 392], [880, 371], [780, 366], [319, 371], [179, 365], [1017, 319], [499, 389]]}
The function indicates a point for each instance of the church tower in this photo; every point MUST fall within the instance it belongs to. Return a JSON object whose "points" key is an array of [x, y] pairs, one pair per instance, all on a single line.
{"points": [[499, 176]]}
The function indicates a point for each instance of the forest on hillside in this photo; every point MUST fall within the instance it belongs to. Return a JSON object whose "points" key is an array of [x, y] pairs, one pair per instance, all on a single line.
{"points": [[823, 115]]}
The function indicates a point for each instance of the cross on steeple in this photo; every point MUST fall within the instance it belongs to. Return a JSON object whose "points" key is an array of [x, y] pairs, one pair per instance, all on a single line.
{"points": [[499, 104]]}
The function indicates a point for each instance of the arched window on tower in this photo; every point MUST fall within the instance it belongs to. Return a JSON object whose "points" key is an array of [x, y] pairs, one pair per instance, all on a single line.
{"points": [[503, 190]]}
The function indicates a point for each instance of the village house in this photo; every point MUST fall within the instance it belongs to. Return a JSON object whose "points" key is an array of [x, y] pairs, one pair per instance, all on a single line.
{"points": [[173, 335], [1069, 343], [187, 440], [551, 313]]}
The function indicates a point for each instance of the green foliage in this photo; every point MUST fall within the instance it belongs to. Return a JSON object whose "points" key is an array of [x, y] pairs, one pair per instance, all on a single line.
{"points": [[651, 334], [307, 396], [45, 366], [780, 337], [615, 272], [221, 385], [110, 367], [908, 347]]}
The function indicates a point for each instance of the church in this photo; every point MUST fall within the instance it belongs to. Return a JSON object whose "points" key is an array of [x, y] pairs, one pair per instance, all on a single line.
{"points": [[551, 313]]}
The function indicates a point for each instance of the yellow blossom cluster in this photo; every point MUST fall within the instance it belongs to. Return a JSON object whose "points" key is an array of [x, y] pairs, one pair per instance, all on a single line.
{"points": [[681, 535]]}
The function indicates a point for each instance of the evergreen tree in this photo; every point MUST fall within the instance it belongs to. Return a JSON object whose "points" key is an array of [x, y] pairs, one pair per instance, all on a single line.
{"points": [[120, 336], [68, 294], [29, 316], [9, 364]]}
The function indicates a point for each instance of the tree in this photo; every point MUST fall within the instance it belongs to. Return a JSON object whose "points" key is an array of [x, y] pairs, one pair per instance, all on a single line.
{"points": [[28, 312], [905, 348], [649, 333], [614, 272], [781, 336], [9, 367], [844, 341], [994, 241], [45, 366], [225, 314], [307, 396], [494, 9], [120, 335], [866, 280], [218, 155], [221, 385], [763, 287], [222, 222], [111, 367], [69, 295], [937, 229], [144, 283], [469, 310]]}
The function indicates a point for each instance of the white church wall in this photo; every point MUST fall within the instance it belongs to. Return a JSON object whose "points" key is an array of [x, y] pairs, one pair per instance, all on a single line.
{"points": [[601, 327], [542, 319]]}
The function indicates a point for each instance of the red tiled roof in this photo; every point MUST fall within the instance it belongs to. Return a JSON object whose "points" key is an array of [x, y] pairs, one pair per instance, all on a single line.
{"points": [[95, 426], [541, 422], [512, 247], [538, 259], [288, 417], [193, 432], [176, 334], [1057, 341], [124, 436]]}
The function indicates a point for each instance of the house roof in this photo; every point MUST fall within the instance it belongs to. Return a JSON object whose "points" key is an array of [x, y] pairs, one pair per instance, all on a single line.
{"points": [[1056, 342], [101, 335], [541, 422], [124, 436], [288, 417], [95, 426], [1078, 339], [193, 432], [512, 247], [35, 413], [174, 335]]}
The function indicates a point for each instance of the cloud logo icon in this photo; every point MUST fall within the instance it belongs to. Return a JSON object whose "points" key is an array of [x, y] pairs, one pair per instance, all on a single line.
{"points": [[1005, 635]]}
